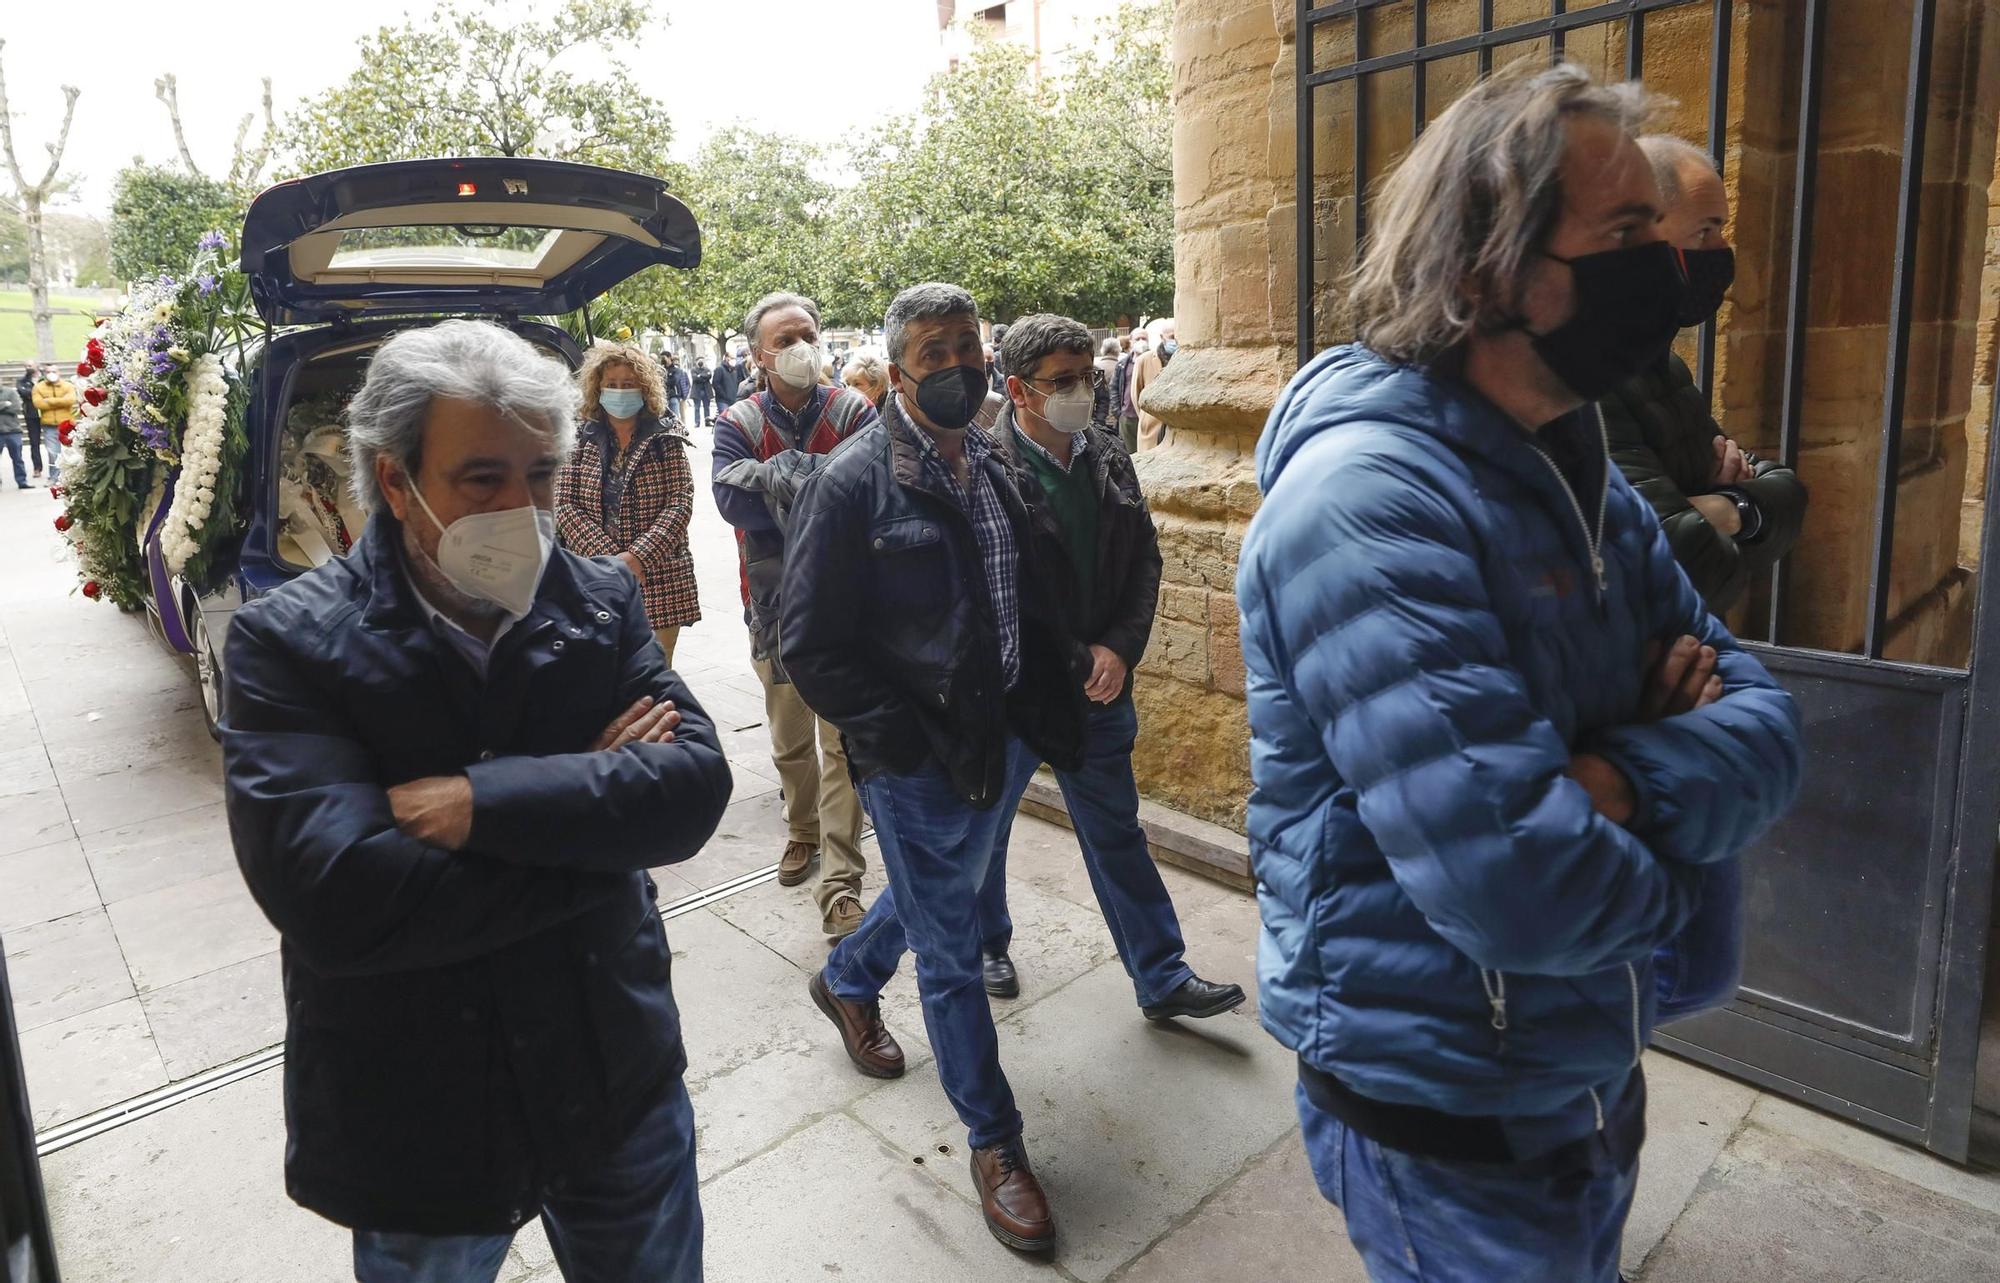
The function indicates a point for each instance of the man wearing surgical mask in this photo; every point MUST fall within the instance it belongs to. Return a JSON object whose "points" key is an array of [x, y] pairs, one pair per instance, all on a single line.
{"points": [[794, 414], [450, 758], [1092, 523], [920, 620]]}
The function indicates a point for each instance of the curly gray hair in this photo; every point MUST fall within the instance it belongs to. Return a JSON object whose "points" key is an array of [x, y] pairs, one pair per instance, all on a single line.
{"points": [[1458, 221], [467, 361]]}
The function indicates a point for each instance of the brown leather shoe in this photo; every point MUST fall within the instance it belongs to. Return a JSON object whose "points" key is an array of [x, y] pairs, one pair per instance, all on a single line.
{"points": [[1011, 1198], [794, 863], [843, 916], [867, 1040]]}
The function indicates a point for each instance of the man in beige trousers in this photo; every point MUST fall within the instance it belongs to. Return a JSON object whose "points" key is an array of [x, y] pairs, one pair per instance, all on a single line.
{"points": [[764, 445]]}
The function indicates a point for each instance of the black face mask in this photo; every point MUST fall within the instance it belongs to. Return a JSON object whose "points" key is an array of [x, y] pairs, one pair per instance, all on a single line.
{"points": [[951, 397], [1628, 307], [1709, 273]]}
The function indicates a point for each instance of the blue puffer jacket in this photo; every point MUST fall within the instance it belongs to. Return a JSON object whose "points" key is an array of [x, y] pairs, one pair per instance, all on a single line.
{"points": [[1447, 921]]}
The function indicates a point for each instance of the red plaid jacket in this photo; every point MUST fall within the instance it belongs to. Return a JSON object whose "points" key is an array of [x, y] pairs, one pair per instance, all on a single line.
{"points": [[653, 515]]}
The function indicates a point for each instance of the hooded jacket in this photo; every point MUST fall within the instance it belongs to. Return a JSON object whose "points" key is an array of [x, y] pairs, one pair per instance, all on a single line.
{"points": [[1434, 621]]}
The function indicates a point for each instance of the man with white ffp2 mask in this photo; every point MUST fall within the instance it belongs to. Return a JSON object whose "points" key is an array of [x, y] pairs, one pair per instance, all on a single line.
{"points": [[450, 758], [1088, 514]]}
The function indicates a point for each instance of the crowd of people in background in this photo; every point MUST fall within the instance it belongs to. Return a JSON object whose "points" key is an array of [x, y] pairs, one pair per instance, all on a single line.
{"points": [[29, 435]]}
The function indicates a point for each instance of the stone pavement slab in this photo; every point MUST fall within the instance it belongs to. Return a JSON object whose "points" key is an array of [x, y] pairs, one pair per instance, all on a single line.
{"points": [[166, 851], [64, 968], [1268, 1223], [1778, 1209], [44, 883], [223, 1015], [189, 930], [1130, 1125], [89, 1061], [837, 1202], [1691, 1114]]}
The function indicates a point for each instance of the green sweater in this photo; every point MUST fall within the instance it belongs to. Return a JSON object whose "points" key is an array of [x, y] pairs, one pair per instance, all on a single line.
{"points": [[1072, 498]]}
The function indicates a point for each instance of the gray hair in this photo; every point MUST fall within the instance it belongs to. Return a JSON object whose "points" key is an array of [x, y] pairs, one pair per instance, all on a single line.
{"points": [[467, 361], [1459, 220], [1670, 158], [1110, 347], [773, 302], [1033, 337], [931, 301], [869, 366]]}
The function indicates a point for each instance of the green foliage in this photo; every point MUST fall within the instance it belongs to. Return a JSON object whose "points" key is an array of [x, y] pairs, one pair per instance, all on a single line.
{"points": [[1054, 195], [157, 214], [476, 79], [766, 224]]}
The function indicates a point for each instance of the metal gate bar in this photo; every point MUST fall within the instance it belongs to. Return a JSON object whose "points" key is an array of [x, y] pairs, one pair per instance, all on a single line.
{"points": [[1805, 188], [1483, 41], [1916, 114]]}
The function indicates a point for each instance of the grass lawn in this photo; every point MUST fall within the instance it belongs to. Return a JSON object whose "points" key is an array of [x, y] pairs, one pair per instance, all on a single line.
{"points": [[74, 316]]}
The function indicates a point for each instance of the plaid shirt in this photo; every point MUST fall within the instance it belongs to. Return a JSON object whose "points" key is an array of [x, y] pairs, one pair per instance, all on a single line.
{"points": [[993, 532], [655, 502]]}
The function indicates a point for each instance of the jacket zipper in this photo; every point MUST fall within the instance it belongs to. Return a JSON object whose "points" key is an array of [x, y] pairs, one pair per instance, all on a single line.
{"points": [[1638, 1043], [1592, 538], [1495, 984]]}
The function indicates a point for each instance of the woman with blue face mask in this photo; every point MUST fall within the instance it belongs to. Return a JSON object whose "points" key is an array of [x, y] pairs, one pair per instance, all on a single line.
{"points": [[627, 491]]}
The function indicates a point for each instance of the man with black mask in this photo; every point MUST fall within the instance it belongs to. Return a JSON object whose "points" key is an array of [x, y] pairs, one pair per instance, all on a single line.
{"points": [[1729, 515], [917, 620], [1497, 738]]}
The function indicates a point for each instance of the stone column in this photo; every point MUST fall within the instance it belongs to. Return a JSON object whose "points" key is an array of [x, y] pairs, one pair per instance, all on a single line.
{"points": [[1234, 248]]}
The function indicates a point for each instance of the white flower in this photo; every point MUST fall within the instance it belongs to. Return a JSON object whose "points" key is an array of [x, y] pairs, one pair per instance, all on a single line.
{"points": [[201, 463]]}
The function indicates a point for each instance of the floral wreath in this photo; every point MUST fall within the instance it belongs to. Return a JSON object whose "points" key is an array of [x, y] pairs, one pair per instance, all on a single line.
{"points": [[162, 407]]}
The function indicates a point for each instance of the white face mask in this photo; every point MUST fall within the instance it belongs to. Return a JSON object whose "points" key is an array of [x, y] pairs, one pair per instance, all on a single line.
{"points": [[798, 365], [495, 556], [1069, 411]]}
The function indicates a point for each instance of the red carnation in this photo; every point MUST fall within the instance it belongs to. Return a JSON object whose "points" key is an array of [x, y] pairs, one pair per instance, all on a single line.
{"points": [[64, 432], [62, 522], [91, 590], [93, 345], [96, 396], [96, 361], [83, 369], [55, 492]]}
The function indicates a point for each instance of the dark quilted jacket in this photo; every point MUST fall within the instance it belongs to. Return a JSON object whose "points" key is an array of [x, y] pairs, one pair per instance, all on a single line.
{"points": [[1662, 439]]}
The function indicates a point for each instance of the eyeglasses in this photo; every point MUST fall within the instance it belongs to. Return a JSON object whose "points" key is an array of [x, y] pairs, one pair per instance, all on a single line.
{"points": [[1069, 383]]}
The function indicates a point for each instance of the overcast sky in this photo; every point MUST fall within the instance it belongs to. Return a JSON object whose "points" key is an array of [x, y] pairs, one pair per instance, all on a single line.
{"points": [[810, 68]]}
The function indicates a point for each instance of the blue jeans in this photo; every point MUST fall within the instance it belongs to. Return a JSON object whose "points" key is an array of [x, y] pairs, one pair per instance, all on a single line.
{"points": [[635, 1215], [935, 848], [1701, 968], [52, 448], [1426, 1220], [11, 443], [1103, 801]]}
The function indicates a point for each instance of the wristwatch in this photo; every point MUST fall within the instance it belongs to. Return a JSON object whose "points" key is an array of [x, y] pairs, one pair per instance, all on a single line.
{"points": [[1750, 522]]}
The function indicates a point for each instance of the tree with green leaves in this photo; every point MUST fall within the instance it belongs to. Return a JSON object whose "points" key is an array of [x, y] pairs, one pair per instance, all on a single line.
{"points": [[1036, 194], [157, 214], [476, 78], [766, 224]]}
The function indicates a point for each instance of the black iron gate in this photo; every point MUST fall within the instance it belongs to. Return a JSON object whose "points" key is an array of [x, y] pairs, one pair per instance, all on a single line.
{"points": [[1867, 909]]}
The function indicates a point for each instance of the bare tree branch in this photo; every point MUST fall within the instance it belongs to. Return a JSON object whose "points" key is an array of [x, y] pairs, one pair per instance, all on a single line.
{"points": [[168, 90], [254, 164]]}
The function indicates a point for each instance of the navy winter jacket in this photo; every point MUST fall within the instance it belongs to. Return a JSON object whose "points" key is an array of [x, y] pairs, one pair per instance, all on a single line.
{"points": [[1447, 921], [466, 1030]]}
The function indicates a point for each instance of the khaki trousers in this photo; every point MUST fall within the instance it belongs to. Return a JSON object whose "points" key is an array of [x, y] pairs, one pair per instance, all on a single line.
{"points": [[821, 806], [667, 637]]}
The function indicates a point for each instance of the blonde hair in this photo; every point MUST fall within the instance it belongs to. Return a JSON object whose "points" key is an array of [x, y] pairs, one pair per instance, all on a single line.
{"points": [[868, 366], [604, 354], [1457, 223]]}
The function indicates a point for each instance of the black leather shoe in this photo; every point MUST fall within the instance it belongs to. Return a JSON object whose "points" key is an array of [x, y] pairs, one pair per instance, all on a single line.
{"points": [[1196, 999], [1001, 979]]}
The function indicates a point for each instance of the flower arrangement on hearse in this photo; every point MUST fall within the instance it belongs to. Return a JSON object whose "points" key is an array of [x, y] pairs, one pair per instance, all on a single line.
{"points": [[158, 445]]}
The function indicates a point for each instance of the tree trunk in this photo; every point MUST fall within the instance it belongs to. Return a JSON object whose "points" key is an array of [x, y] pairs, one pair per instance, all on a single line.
{"points": [[38, 278]]}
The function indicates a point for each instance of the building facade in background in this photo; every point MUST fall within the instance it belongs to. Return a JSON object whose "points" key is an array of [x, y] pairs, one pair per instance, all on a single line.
{"points": [[1047, 28]]}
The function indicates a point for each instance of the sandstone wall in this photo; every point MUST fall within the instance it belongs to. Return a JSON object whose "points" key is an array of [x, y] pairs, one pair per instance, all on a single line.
{"points": [[1237, 306]]}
